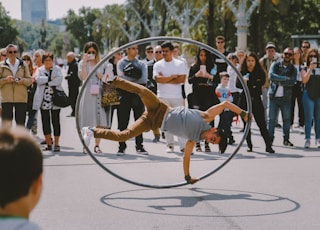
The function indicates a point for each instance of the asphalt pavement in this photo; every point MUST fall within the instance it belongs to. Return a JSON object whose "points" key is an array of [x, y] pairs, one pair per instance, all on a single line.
{"points": [[254, 190]]}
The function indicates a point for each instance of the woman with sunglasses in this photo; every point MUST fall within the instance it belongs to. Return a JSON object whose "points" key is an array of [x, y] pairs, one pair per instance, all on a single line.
{"points": [[91, 111], [311, 96]]}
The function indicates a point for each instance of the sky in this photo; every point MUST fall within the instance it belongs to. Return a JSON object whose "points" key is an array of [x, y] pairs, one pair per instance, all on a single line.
{"points": [[57, 8]]}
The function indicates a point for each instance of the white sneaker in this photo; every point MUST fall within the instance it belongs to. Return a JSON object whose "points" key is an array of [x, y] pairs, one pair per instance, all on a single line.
{"points": [[307, 144], [318, 143], [301, 130], [87, 134], [170, 149], [120, 153]]}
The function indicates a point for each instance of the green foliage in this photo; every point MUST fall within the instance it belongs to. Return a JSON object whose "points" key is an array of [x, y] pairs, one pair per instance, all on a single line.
{"points": [[30, 34], [8, 32]]}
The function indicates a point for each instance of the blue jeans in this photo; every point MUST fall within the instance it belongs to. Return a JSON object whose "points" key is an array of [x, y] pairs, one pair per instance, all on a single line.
{"points": [[284, 105], [311, 113]]}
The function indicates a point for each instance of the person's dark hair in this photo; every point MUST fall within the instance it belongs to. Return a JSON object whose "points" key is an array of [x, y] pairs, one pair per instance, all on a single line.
{"points": [[47, 55], [20, 164], [223, 140], [209, 59], [233, 56], [305, 42], [223, 74], [220, 38], [167, 44], [258, 69]]}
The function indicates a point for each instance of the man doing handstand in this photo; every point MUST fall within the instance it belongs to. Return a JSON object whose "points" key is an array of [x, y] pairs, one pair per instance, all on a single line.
{"points": [[191, 124]]}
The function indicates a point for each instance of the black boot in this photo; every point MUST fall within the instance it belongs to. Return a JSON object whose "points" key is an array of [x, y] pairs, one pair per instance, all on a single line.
{"points": [[249, 149], [269, 149]]}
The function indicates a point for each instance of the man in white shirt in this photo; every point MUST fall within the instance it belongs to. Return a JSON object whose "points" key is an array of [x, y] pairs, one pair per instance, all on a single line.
{"points": [[170, 74]]}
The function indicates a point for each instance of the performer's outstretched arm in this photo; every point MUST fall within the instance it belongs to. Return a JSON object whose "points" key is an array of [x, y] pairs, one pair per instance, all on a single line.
{"points": [[186, 161], [215, 110]]}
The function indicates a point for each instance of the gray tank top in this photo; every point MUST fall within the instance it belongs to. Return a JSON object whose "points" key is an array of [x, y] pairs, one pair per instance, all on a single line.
{"points": [[184, 122]]}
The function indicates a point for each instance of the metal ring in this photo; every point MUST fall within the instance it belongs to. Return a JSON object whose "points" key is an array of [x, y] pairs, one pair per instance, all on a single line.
{"points": [[177, 39]]}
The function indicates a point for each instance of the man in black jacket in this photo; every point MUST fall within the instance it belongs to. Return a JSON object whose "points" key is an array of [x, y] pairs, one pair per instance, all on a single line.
{"points": [[73, 81]]}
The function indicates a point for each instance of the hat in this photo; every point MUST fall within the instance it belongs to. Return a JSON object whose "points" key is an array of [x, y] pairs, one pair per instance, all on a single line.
{"points": [[71, 54], [270, 45]]}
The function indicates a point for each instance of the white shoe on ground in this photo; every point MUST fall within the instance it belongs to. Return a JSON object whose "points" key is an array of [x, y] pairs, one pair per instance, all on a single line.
{"points": [[301, 130], [307, 144], [170, 149], [120, 153], [87, 134]]}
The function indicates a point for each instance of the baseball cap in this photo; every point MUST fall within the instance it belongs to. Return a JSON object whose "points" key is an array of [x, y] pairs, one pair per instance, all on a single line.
{"points": [[270, 45]]}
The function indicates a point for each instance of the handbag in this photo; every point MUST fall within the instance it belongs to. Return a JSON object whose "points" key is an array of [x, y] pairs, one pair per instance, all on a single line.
{"points": [[109, 95], [94, 89], [59, 98]]}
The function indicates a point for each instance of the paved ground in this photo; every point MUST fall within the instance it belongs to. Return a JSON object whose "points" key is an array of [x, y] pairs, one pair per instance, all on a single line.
{"points": [[253, 191]]}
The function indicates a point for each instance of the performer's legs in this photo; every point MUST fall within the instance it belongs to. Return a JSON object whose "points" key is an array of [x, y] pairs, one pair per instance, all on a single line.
{"points": [[138, 127], [149, 99]]}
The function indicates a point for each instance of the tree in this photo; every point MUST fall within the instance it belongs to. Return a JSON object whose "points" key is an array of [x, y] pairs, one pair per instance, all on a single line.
{"points": [[83, 26], [8, 32]]}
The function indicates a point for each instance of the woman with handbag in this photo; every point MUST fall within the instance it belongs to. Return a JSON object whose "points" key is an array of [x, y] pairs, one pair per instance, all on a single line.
{"points": [[91, 111], [48, 76]]}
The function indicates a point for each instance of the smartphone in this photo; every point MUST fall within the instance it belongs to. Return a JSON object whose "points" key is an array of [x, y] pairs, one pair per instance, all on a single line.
{"points": [[91, 56], [314, 59], [203, 68]]}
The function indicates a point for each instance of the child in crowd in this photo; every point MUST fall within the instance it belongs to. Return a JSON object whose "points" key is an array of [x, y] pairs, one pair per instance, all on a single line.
{"points": [[224, 94]]}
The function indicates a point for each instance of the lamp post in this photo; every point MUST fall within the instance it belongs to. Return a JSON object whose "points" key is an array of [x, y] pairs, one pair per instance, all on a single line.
{"points": [[43, 34], [242, 15], [89, 28]]}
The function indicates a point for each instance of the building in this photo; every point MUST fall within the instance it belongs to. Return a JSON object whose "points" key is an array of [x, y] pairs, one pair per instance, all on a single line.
{"points": [[34, 11]]}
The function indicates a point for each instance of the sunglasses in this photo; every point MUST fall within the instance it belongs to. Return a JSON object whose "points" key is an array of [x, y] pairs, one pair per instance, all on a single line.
{"points": [[306, 47], [288, 54], [312, 56], [11, 52], [91, 52], [158, 52], [3, 55], [150, 52], [220, 42]]}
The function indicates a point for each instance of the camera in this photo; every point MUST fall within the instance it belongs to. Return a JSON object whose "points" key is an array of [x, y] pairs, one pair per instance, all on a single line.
{"points": [[17, 79]]}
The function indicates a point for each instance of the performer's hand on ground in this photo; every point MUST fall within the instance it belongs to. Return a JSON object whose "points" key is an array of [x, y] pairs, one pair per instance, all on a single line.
{"points": [[193, 180]]}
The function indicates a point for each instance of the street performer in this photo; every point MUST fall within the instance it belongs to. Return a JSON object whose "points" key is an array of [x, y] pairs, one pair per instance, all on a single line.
{"points": [[188, 123]]}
